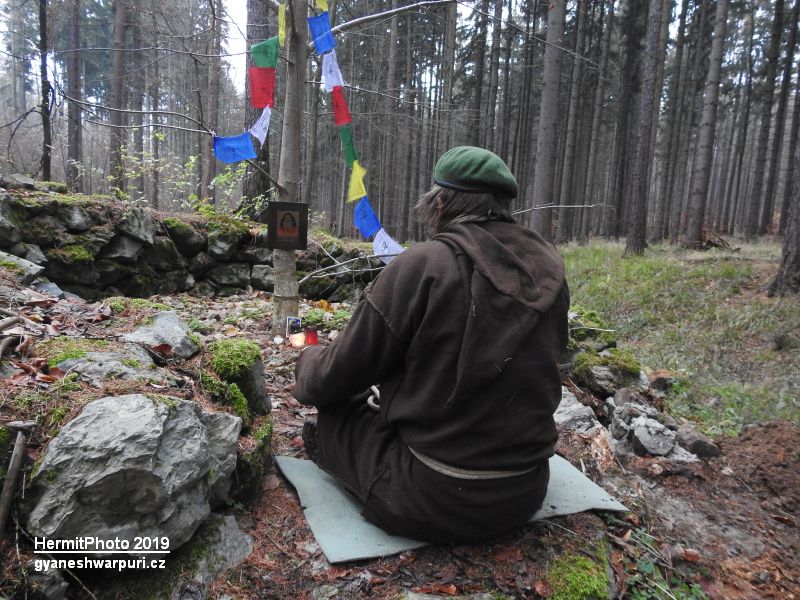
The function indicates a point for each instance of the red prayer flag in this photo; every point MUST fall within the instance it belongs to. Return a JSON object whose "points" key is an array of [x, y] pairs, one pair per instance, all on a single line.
{"points": [[262, 86], [341, 114]]}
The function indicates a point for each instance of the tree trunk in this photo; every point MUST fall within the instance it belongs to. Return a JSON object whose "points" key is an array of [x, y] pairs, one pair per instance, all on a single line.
{"points": [[788, 279], [548, 122], [46, 93], [388, 196], [780, 126], [214, 74], [705, 145], [567, 192], [768, 94], [115, 101], [18, 64], [74, 111], [155, 104], [637, 224], [478, 123], [137, 100], [286, 290], [599, 96], [793, 135], [494, 60], [256, 184]]}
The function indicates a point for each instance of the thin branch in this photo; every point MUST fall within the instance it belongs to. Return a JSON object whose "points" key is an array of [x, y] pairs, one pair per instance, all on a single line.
{"points": [[543, 206], [331, 267]]}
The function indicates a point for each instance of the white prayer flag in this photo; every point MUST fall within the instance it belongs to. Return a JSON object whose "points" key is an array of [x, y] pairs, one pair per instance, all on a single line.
{"points": [[383, 244], [260, 127], [331, 75]]}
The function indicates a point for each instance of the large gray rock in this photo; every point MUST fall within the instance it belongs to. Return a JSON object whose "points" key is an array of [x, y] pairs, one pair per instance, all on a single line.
{"points": [[254, 255], [9, 231], [137, 223], [47, 585], [262, 277], [166, 328], [75, 218], [129, 466], [223, 437], [602, 380], [123, 248], [231, 274], [24, 270], [223, 244], [200, 264], [648, 436], [45, 230], [165, 256], [186, 238], [30, 252], [573, 415], [132, 363]]}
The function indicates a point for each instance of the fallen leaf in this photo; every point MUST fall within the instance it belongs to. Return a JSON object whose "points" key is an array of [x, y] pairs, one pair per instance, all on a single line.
{"points": [[508, 554], [44, 378], [231, 330], [164, 349], [56, 372], [448, 589], [690, 554], [543, 588], [335, 573], [52, 330], [783, 519]]}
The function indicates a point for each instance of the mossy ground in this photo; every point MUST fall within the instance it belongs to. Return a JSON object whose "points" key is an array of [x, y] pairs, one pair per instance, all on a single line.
{"points": [[121, 304], [622, 362], [578, 577], [706, 317]]}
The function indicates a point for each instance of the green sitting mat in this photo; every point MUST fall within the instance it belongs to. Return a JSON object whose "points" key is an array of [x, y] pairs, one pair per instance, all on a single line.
{"points": [[334, 515]]}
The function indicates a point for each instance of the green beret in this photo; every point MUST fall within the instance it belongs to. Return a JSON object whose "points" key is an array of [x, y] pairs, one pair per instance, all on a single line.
{"points": [[471, 169]]}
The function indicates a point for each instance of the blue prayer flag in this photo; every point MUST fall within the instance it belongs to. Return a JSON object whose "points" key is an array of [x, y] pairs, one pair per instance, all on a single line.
{"points": [[365, 219], [320, 27], [233, 149]]}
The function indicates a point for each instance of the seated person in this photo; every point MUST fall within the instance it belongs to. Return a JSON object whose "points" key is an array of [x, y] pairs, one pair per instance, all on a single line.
{"points": [[462, 335]]}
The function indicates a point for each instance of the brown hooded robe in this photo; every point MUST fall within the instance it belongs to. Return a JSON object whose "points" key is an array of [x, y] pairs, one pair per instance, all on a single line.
{"points": [[462, 333]]}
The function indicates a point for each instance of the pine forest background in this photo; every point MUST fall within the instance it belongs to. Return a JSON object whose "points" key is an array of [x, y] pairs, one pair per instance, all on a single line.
{"points": [[654, 120]]}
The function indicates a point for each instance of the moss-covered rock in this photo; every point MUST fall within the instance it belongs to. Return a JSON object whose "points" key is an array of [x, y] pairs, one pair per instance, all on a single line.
{"points": [[606, 372], [58, 349], [239, 361], [589, 331], [251, 465], [186, 238]]}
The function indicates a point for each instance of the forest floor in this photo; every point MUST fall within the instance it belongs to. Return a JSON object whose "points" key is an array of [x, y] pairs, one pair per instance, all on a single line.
{"points": [[723, 529]]}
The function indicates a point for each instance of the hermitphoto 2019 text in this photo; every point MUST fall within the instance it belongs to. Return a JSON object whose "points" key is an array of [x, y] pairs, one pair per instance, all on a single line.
{"points": [[94, 544]]}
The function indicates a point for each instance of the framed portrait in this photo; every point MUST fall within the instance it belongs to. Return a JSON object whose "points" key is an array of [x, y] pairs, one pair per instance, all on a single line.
{"points": [[287, 225]]}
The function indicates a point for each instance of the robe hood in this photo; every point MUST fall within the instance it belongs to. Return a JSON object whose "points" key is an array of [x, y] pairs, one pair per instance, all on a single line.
{"points": [[513, 276]]}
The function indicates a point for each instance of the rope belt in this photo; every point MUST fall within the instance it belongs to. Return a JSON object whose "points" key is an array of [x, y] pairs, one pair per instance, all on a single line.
{"points": [[460, 473]]}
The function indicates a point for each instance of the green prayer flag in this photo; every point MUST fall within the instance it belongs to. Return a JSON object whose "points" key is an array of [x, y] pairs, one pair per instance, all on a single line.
{"points": [[265, 54], [350, 154]]}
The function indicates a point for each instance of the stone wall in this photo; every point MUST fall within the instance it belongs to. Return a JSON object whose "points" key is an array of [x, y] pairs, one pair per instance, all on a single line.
{"points": [[95, 247]]}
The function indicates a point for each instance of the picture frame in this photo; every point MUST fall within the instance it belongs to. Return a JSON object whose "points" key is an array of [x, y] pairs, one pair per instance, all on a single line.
{"points": [[287, 225]]}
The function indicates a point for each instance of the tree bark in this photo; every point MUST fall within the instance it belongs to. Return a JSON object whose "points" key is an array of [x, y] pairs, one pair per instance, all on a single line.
{"points": [[548, 122], [478, 123], [705, 146], [793, 135], [285, 297], [75, 91], [788, 279], [494, 61], [214, 74], [567, 192], [780, 125], [770, 69], [115, 101], [137, 90], [46, 93], [637, 224]]}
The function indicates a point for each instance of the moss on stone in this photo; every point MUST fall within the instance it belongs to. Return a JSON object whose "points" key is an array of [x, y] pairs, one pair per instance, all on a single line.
{"points": [[239, 404], [195, 339], [263, 434], [213, 386], [621, 362], [576, 577], [132, 363], [168, 401], [231, 358], [176, 224], [119, 304], [227, 226], [59, 349], [71, 254], [12, 266], [588, 325]]}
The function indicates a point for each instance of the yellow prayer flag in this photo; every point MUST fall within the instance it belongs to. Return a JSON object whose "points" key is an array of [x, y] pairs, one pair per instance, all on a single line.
{"points": [[322, 5], [282, 24], [356, 189]]}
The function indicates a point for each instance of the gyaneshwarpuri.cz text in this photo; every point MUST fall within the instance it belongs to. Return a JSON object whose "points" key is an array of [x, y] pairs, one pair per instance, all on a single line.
{"points": [[117, 564]]}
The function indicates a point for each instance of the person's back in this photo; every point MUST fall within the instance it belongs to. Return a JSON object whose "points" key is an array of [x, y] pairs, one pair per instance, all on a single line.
{"points": [[462, 333]]}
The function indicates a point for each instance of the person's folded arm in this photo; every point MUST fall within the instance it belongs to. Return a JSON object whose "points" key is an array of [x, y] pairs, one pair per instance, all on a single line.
{"points": [[362, 354]]}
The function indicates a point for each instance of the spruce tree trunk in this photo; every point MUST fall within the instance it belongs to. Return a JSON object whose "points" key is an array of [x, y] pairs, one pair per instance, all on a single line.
{"points": [[478, 123], [46, 90], [768, 94], [788, 279], [705, 146], [137, 100], [74, 111], [115, 101], [154, 92], [793, 135], [213, 76], [567, 191], [285, 298], [494, 61], [780, 125], [546, 141], [637, 223], [741, 142]]}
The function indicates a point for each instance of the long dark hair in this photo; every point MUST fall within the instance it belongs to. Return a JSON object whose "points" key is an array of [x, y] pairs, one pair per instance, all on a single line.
{"points": [[460, 207]]}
